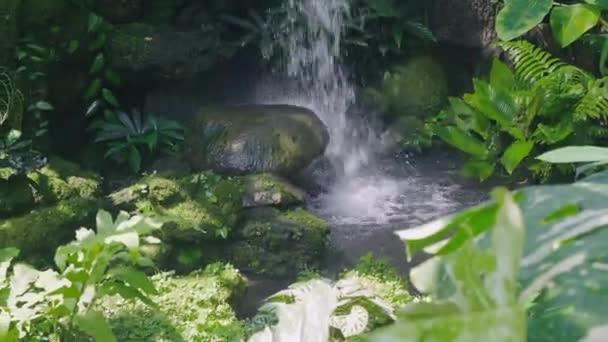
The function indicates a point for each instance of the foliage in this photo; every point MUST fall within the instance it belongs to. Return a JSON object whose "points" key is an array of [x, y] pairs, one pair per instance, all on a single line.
{"points": [[128, 136], [317, 310], [11, 102], [568, 21], [542, 104], [56, 305], [480, 302], [195, 307], [480, 255], [593, 158]]}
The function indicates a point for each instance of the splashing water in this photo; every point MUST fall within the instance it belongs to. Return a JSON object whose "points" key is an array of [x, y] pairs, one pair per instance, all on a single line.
{"points": [[310, 48]]}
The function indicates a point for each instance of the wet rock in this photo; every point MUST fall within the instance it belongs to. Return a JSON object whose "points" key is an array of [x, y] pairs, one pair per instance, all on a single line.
{"points": [[41, 230], [15, 197], [198, 207], [269, 190], [417, 88], [162, 53], [279, 243], [240, 140], [468, 23], [119, 11]]}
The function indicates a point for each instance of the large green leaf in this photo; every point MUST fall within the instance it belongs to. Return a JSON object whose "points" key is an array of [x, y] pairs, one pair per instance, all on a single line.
{"points": [[603, 4], [515, 154], [520, 16], [96, 326], [501, 75], [482, 302], [462, 140], [575, 154], [570, 22]]}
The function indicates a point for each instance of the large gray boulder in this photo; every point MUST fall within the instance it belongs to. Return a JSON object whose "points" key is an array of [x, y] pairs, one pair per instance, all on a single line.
{"points": [[239, 140], [467, 23], [163, 53]]}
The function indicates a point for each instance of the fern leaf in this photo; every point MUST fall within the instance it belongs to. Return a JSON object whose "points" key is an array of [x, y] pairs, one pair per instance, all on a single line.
{"points": [[595, 103], [531, 63]]}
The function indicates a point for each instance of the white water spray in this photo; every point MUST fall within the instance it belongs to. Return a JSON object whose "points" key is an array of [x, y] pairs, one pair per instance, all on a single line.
{"points": [[310, 49]]}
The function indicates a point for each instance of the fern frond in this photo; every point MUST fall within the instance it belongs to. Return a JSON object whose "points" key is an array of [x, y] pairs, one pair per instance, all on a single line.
{"points": [[531, 63], [595, 103]]}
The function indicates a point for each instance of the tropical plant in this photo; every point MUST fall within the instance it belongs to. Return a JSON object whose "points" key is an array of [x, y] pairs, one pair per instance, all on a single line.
{"points": [[568, 21], [544, 103], [135, 138], [485, 269], [592, 158], [317, 310], [55, 305]]}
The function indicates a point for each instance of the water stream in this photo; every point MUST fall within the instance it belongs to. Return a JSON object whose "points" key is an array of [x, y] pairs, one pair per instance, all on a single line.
{"points": [[370, 196]]}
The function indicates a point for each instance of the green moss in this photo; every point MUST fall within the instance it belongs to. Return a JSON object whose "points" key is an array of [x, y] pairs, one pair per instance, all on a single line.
{"points": [[42, 230], [15, 196], [197, 207], [61, 180], [269, 190], [280, 244], [417, 88], [196, 307], [163, 190]]}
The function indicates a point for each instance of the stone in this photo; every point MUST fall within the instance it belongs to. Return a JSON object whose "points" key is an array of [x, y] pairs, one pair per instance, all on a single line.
{"points": [[40, 231], [161, 53], [15, 197], [61, 180], [198, 207], [417, 88], [119, 11], [279, 243], [240, 140], [467, 23], [266, 189]]}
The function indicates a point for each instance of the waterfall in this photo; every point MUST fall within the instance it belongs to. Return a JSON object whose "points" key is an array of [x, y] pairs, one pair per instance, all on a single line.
{"points": [[309, 49], [308, 42]]}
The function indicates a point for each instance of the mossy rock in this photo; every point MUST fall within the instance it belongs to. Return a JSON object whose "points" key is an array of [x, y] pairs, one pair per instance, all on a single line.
{"points": [[197, 307], [61, 180], [15, 196], [196, 208], [266, 189], [161, 53], [280, 243], [417, 88], [42, 230], [240, 140]]}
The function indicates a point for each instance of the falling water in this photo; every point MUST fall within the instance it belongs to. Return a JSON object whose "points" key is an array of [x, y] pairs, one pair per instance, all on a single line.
{"points": [[309, 43]]}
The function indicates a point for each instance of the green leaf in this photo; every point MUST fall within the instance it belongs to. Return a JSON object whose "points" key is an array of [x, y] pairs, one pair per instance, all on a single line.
{"points": [[93, 89], [43, 105], [134, 159], [515, 154], [520, 16], [134, 278], [73, 46], [95, 325], [570, 22], [98, 63], [109, 97], [462, 140], [501, 75], [13, 136], [603, 4], [575, 154], [105, 224], [478, 169]]}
